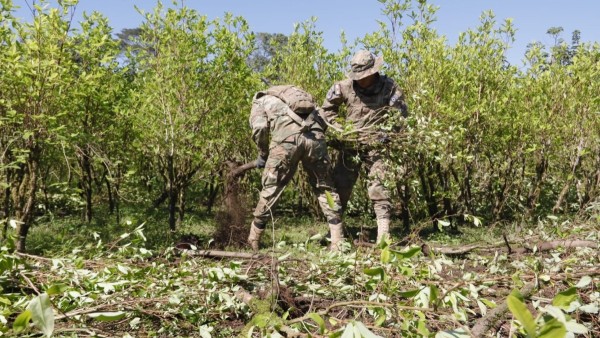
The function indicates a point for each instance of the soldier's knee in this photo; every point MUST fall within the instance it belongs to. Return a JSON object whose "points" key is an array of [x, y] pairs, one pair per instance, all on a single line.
{"points": [[259, 222], [378, 193]]}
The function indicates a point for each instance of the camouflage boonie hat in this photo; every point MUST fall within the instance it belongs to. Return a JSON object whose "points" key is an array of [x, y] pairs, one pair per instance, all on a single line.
{"points": [[363, 64]]}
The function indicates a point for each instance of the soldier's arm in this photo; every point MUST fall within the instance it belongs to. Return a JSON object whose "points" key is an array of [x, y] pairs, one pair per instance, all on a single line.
{"points": [[331, 106], [259, 122], [398, 101]]}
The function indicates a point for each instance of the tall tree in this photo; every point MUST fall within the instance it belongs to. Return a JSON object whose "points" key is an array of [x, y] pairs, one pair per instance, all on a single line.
{"points": [[193, 83], [98, 86], [37, 64], [267, 45]]}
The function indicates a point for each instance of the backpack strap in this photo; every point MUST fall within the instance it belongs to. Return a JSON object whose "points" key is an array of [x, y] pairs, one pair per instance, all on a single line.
{"points": [[301, 102], [297, 99]]}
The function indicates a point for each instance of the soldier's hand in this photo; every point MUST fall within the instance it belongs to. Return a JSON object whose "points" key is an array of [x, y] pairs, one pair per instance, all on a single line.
{"points": [[335, 144], [261, 161]]}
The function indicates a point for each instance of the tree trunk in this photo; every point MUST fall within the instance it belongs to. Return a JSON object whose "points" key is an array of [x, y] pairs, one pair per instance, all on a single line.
{"points": [[86, 181], [501, 195], [591, 188], [404, 194], [111, 201], [443, 177], [536, 188], [465, 187], [172, 189], [160, 199], [172, 208], [117, 204], [23, 196], [180, 205], [213, 190], [428, 189], [574, 165], [6, 203]]}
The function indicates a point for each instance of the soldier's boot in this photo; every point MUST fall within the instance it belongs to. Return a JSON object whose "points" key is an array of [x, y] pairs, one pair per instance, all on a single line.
{"points": [[254, 236], [336, 230], [383, 229]]}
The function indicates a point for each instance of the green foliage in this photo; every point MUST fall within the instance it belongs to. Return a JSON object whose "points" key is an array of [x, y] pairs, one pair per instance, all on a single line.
{"points": [[357, 330], [42, 313], [478, 125], [84, 125], [520, 311], [563, 299], [22, 321], [383, 290], [267, 46]]}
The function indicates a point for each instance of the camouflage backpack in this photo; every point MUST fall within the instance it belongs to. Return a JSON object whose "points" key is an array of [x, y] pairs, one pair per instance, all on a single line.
{"points": [[299, 101]]}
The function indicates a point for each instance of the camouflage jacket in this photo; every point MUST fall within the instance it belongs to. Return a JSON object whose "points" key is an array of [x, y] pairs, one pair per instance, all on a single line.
{"points": [[272, 123], [363, 106]]}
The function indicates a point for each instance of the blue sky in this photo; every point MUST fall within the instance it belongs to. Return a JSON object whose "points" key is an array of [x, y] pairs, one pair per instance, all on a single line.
{"points": [[531, 18]]}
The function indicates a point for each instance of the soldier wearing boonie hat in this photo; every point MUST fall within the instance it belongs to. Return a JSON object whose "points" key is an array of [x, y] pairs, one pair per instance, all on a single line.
{"points": [[364, 64], [364, 93]]}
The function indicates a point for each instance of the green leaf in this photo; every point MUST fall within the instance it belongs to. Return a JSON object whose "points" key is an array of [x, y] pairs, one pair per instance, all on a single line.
{"points": [[5, 301], [316, 237], [409, 253], [584, 282], [422, 328], [107, 316], [434, 294], [205, 331], [453, 334], [385, 256], [590, 308], [56, 289], [443, 223], [330, 201], [22, 321], [348, 331], [409, 294], [364, 332], [564, 299], [261, 320], [520, 311], [42, 314], [574, 327], [553, 329], [284, 257], [517, 294], [488, 303], [381, 316], [375, 272], [318, 320]]}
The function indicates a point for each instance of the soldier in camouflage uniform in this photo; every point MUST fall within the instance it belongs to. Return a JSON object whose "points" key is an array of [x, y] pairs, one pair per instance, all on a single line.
{"points": [[366, 95], [287, 130]]}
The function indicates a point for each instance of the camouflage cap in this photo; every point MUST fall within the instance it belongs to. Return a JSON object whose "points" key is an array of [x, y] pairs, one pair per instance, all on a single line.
{"points": [[363, 64]]}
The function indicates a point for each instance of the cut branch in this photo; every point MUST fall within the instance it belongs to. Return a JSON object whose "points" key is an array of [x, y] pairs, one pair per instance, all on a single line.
{"points": [[542, 246], [545, 246], [240, 170], [487, 322], [226, 254]]}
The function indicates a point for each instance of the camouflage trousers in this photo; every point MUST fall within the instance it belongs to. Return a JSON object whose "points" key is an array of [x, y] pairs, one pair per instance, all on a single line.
{"points": [[282, 163], [345, 175]]}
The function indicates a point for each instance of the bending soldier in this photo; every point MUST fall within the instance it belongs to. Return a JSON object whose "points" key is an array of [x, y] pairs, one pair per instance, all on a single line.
{"points": [[287, 130], [366, 95]]}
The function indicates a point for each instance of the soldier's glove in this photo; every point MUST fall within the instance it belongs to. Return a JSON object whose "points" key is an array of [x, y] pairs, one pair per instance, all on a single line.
{"points": [[335, 144], [261, 161]]}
